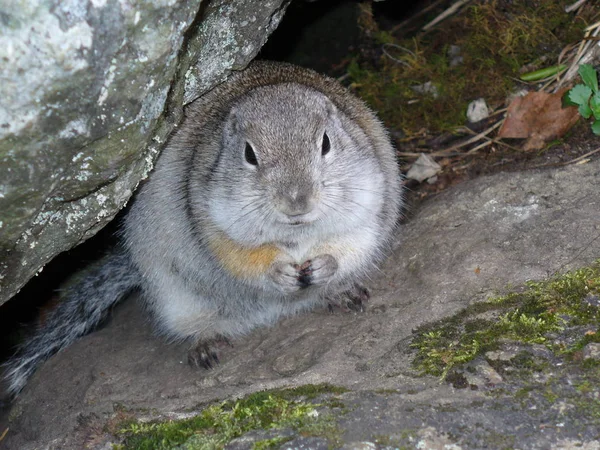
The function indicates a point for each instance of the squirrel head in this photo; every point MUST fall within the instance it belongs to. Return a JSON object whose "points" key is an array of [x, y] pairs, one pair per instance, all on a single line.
{"points": [[292, 166]]}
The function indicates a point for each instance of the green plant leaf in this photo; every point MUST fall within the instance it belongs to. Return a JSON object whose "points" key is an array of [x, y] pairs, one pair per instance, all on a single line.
{"points": [[596, 127], [543, 73], [585, 111], [589, 76], [580, 95], [566, 101], [595, 105]]}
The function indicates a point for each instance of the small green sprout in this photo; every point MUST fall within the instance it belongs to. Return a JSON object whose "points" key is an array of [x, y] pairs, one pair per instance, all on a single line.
{"points": [[586, 96], [543, 73]]}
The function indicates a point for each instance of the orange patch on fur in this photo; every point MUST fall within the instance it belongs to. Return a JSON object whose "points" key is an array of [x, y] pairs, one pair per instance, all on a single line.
{"points": [[240, 261]]}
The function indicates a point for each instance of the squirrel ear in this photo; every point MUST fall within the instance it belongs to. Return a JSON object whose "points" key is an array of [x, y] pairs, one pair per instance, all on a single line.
{"points": [[331, 109], [333, 116], [232, 124]]}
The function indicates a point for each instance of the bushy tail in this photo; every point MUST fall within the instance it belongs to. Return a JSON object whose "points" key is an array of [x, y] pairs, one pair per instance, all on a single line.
{"points": [[82, 308]]}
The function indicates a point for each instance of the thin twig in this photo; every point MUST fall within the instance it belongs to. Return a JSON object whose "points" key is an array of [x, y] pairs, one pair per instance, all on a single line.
{"points": [[454, 8], [436, 154], [575, 6], [581, 157], [593, 26], [582, 52], [393, 58], [3, 435], [497, 141], [451, 151], [498, 111], [480, 146], [562, 164], [556, 80], [409, 154], [475, 138], [416, 16]]}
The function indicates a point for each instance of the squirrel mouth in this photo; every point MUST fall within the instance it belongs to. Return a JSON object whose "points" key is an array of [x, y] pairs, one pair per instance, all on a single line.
{"points": [[297, 223]]}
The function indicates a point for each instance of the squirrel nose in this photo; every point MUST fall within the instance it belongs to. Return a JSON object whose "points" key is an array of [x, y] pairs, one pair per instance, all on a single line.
{"points": [[297, 202]]}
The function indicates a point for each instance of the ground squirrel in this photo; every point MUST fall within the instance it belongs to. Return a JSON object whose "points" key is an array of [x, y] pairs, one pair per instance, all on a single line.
{"points": [[278, 192]]}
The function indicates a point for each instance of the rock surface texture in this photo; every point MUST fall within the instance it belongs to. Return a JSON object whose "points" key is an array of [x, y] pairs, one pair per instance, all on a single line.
{"points": [[89, 92], [456, 249]]}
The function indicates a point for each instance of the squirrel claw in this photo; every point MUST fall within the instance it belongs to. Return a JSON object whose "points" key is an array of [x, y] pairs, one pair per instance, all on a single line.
{"points": [[319, 270], [352, 300], [289, 278], [203, 355]]}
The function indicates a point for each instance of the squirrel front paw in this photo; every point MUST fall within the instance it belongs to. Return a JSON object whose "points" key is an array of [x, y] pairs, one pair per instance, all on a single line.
{"points": [[286, 277], [292, 277], [318, 270]]}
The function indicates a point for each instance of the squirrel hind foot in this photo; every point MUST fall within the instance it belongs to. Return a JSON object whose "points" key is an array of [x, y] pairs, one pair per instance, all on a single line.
{"points": [[352, 300], [204, 354]]}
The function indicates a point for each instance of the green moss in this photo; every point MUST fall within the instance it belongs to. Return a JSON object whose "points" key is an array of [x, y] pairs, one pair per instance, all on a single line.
{"points": [[384, 440], [588, 408], [523, 393], [500, 441], [311, 391], [270, 443], [220, 423], [591, 364], [525, 361], [584, 387], [446, 408], [402, 440], [551, 396], [336, 403], [527, 317], [566, 393], [495, 45]]}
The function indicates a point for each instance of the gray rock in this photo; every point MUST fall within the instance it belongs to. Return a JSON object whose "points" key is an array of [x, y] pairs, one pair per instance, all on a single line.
{"points": [[359, 446], [593, 300], [424, 168], [458, 248], [431, 439], [479, 373], [248, 440], [501, 355], [477, 110], [454, 54], [427, 88], [592, 351], [89, 92], [306, 443]]}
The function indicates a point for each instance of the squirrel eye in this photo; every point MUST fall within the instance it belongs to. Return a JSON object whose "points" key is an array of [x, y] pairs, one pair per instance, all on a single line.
{"points": [[250, 155], [326, 146]]}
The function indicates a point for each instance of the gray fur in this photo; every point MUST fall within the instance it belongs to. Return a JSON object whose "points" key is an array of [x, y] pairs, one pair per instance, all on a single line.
{"points": [[83, 306], [329, 217]]}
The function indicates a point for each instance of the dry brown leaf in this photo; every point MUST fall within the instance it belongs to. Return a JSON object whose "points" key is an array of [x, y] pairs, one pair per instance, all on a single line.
{"points": [[539, 117]]}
